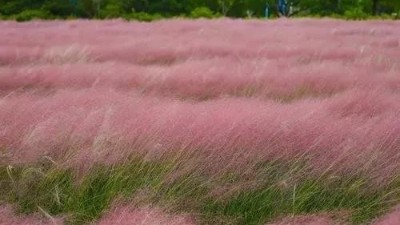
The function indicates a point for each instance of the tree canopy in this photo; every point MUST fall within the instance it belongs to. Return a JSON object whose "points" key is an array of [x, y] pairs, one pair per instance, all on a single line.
{"points": [[191, 8]]}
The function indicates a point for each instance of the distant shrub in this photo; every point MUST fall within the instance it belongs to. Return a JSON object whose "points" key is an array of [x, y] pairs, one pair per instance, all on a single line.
{"points": [[397, 15], [142, 16], [355, 14], [111, 11], [336, 16], [71, 17], [59, 8], [303, 13], [30, 14], [202, 12]]}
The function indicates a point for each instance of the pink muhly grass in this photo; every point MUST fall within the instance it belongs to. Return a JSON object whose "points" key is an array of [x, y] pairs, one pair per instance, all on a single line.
{"points": [[147, 215], [79, 97], [95, 122], [225, 65], [228, 93], [307, 220], [392, 218], [199, 79]]}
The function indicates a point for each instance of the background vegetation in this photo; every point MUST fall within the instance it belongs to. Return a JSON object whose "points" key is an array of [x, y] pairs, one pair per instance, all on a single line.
{"points": [[146, 10]]}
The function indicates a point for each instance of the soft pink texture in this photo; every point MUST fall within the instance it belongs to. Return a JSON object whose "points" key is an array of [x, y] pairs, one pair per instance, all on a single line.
{"points": [[121, 215], [143, 216], [202, 58], [392, 218], [306, 220], [230, 90]]}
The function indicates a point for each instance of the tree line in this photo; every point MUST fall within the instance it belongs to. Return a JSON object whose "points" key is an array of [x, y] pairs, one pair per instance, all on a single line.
{"points": [[148, 10]]}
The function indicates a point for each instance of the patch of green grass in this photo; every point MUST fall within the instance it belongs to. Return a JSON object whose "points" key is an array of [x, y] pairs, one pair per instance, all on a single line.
{"points": [[282, 189], [59, 192], [306, 197]]}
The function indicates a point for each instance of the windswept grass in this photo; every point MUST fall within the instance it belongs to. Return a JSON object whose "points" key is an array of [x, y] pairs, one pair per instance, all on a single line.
{"points": [[277, 191], [222, 121]]}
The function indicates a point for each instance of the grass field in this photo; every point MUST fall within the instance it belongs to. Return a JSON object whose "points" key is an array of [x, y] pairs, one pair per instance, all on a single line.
{"points": [[200, 122]]}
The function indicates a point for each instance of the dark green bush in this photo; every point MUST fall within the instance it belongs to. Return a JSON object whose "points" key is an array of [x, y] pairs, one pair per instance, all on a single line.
{"points": [[30, 14], [10, 7], [202, 12], [151, 10], [142, 16], [111, 11], [355, 14], [59, 8], [386, 16], [336, 16]]}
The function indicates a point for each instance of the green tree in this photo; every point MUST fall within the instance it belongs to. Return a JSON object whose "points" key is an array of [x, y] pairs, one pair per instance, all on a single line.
{"points": [[61, 8], [17, 6], [168, 8], [225, 5], [202, 12], [111, 11]]}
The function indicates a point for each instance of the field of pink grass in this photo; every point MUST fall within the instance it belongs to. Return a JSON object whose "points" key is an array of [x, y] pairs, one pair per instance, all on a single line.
{"points": [[230, 91], [153, 216]]}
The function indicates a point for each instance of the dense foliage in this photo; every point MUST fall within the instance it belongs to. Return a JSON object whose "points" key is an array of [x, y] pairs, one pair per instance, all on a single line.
{"points": [[149, 10]]}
